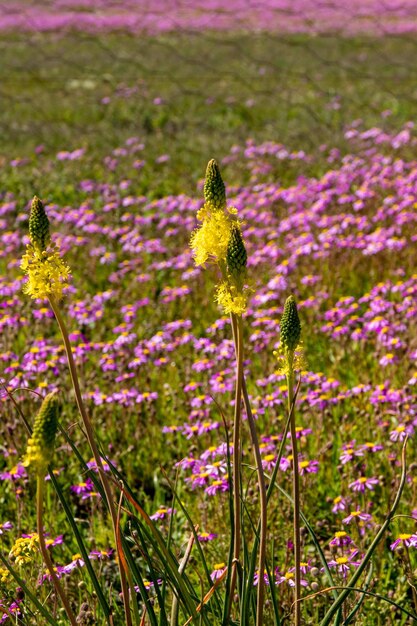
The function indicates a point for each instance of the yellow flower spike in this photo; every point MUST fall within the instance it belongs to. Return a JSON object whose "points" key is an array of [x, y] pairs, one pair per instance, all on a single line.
{"points": [[219, 240], [40, 447], [290, 353], [47, 272]]}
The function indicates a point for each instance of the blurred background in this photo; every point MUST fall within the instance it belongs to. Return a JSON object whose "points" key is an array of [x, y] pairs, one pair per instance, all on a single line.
{"points": [[193, 78]]}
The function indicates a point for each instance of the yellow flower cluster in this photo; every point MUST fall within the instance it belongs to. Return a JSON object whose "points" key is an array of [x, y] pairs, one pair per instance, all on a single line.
{"points": [[4, 575], [47, 272], [290, 362], [24, 549], [230, 299], [210, 241]]}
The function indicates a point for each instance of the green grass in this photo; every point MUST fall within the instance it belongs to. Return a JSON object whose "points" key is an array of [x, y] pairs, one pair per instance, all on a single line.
{"points": [[218, 90]]}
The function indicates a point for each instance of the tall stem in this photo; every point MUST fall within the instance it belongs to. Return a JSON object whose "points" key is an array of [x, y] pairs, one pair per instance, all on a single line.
{"points": [[44, 550], [261, 486], [97, 458], [237, 323], [296, 496]]}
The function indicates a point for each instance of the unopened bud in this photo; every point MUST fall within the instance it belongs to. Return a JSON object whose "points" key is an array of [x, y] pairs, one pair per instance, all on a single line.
{"points": [[214, 190], [236, 256], [38, 225], [290, 325]]}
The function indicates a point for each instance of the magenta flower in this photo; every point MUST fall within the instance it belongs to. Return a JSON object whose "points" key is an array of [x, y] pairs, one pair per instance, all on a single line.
{"points": [[370, 446], [401, 431], [350, 452], [405, 539], [289, 579], [344, 563], [203, 536], [363, 483], [12, 608], [219, 569], [76, 561], [217, 486], [5, 527], [91, 464], [101, 555], [269, 461], [357, 515], [16, 473], [308, 467], [339, 504], [341, 538], [162, 513], [256, 578], [83, 487]]}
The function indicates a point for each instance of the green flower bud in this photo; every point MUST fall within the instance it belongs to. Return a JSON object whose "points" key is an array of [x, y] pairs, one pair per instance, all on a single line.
{"points": [[38, 225], [290, 325], [236, 256], [214, 190], [40, 449]]}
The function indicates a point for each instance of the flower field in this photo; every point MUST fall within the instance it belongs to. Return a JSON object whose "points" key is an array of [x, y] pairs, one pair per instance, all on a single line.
{"points": [[160, 16], [326, 212]]}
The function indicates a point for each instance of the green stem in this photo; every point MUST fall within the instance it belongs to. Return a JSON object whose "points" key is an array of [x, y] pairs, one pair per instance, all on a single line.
{"points": [[39, 515], [128, 572], [263, 507], [236, 323], [181, 569], [261, 486], [94, 449], [296, 495]]}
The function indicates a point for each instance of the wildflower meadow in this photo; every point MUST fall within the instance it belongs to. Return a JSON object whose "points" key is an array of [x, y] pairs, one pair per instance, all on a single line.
{"points": [[208, 281]]}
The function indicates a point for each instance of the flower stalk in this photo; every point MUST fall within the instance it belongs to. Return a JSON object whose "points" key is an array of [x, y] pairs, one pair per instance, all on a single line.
{"points": [[237, 325], [39, 453], [47, 276], [94, 449], [290, 331], [219, 240], [40, 482], [261, 483], [296, 496]]}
